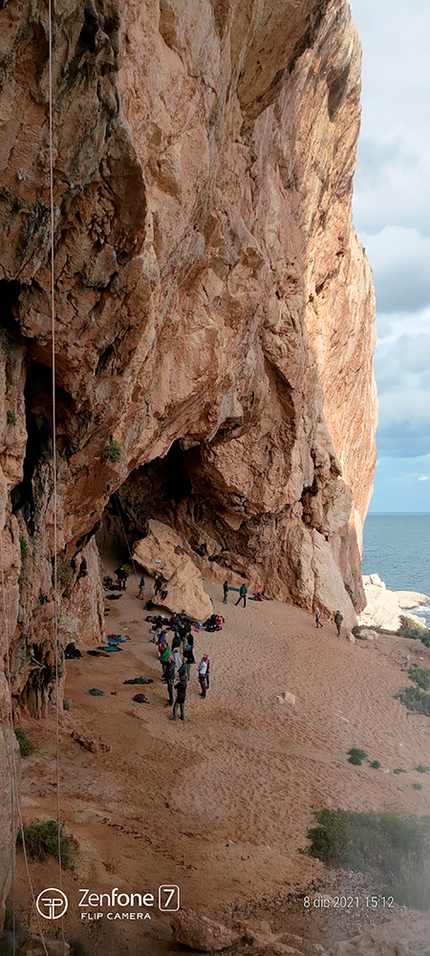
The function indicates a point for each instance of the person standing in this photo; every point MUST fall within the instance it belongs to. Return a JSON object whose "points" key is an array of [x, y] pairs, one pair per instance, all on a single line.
{"points": [[122, 576], [208, 669], [158, 584], [170, 678], [189, 658], [181, 693], [165, 653], [317, 613], [202, 670], [141, 587], [226, 589], [243, 591], [338, 621]]}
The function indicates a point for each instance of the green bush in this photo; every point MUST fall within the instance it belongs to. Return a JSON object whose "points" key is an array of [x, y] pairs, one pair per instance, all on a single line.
{"points": [[65, 575], [25, 745], [113, 450], [420, 676], [11, 417], [23, 543], [422, 769], [417, 786], [415, 632], [375, 765], [415, 700], [391, 843], [400, 770], [41, 840], [356, 756]]}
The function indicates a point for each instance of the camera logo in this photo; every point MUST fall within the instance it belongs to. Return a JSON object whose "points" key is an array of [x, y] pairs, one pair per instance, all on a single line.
{"points": [[52, 903]]}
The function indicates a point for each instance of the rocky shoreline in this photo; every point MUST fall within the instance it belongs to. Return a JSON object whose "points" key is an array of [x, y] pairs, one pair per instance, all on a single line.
{"points": [[384, 608]]}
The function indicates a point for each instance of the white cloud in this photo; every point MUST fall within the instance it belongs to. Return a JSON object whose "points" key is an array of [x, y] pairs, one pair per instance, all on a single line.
{"points": [[423, 478]]}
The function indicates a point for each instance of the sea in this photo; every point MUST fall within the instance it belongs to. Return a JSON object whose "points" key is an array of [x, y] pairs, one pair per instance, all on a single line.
{"points": [[397, 547]]}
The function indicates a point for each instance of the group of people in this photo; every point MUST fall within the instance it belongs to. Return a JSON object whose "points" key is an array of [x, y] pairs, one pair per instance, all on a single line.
{"points": [[177, 659], [337, 619], [243, 591]]}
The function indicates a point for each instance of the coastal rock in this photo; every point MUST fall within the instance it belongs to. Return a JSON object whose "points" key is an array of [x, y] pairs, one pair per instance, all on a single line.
{"points": [[410, 599], [384, 608], [201, 933]]}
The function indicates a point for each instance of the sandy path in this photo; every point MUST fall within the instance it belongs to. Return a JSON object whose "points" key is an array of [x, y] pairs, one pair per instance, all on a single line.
{"points": [[220, 804]]}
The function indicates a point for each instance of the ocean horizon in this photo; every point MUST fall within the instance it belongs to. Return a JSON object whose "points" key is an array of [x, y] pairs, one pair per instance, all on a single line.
{"points": [[396, 545]]}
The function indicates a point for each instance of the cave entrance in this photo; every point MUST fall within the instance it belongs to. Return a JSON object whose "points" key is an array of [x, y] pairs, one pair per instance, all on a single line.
{"points": [[171, 490]]}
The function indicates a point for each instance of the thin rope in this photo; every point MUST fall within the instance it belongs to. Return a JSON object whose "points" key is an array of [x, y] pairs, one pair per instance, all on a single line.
{"points": [[54, 456], [118, 510]]}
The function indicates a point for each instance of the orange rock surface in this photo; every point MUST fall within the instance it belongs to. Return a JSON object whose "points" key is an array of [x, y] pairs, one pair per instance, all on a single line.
{"points": [[214, 309]]}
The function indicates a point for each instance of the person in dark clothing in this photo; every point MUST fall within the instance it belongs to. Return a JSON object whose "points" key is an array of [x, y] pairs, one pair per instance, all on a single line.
{"points": [[122, 576], [83, 570], [338, 621], [189, 659], [181, 693], [170, 678], [243, 591], [226, 589], [141, 587], [158, 584]]}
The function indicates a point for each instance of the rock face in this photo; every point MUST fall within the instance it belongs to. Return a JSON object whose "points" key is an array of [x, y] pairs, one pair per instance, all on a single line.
{"points": [[213, 308]]}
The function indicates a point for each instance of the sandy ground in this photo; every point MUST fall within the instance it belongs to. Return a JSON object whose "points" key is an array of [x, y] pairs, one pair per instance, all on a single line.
{"points": [[220, 804]]}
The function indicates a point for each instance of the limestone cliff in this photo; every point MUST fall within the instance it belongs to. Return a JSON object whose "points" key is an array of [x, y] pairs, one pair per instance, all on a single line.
{"points": [[214, 309]]}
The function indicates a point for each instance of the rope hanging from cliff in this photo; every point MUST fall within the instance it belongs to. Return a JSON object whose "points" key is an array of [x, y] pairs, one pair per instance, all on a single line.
{"points": [[54, 452]]}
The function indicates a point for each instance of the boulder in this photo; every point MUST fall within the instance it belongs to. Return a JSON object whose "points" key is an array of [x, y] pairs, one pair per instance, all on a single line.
{"points": [[384, 608], [201, 933], [164, 552], [185, 591]]}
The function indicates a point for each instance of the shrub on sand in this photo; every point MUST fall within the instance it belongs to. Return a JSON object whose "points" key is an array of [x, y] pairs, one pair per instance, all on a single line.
{"points": [[356, 756], [42, 839], [389, 843]]}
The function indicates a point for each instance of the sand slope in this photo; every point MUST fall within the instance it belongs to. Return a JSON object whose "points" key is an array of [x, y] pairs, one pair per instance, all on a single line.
{"points": [[220, 804]]}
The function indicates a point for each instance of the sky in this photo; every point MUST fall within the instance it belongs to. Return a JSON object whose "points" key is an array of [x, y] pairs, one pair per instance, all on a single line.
{"points": [[392, 218]]}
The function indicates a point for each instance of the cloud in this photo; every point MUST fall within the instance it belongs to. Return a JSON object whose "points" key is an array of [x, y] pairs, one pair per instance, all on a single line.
{"points": [[394, 154], [423, 478], [399, 259]]}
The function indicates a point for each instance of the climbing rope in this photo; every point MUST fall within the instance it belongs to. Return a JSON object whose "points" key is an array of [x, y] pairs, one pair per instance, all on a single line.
{"points": [[54, 454]]}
